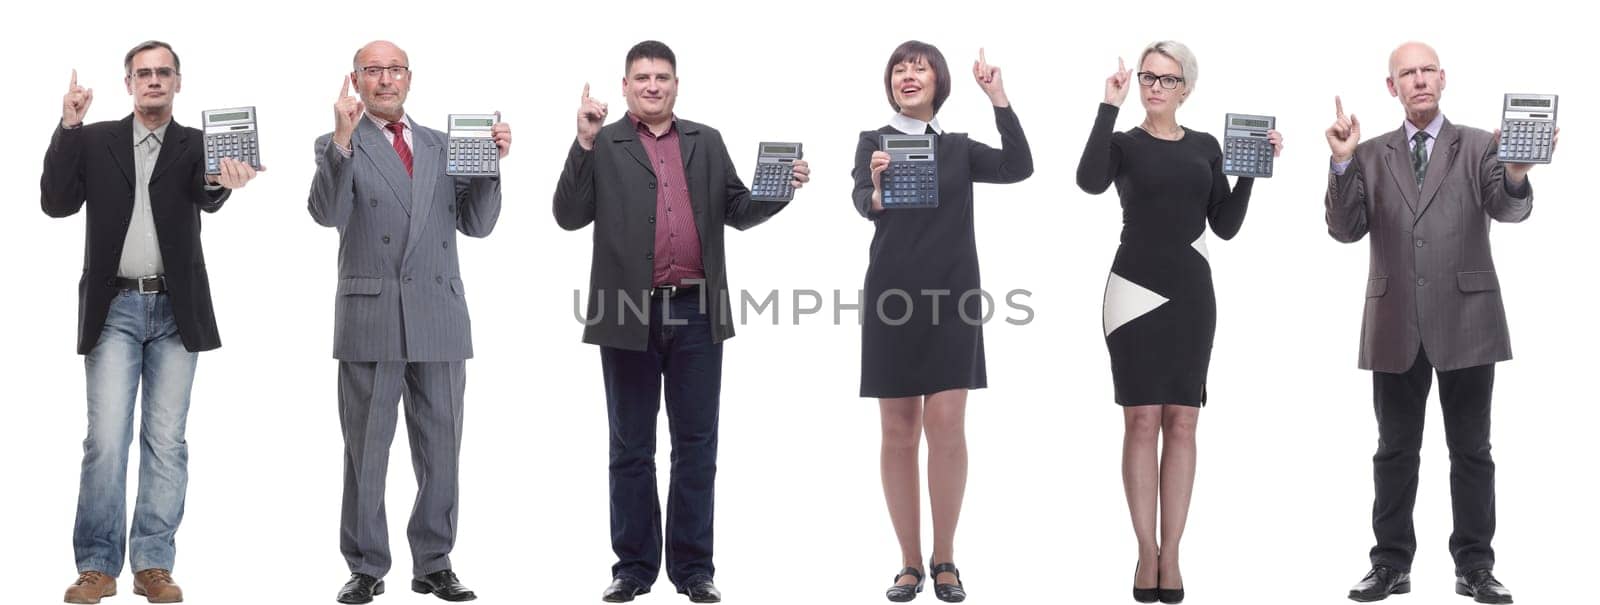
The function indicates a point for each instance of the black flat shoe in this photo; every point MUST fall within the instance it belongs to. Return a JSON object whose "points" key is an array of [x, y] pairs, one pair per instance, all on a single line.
{"points": [[1170, 596], [1144, 595], [443, 584], [1379, 583], [702, 591], [360, 589], [949, 593], [1482, 587], [623, 589], [901, 593]]}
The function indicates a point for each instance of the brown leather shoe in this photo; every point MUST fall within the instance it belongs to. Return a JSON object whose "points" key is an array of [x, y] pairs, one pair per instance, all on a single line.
{"points": [[90, 587], [156, 585]]}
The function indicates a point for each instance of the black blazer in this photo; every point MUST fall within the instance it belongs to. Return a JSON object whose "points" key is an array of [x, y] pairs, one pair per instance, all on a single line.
{"points": [[614, 187], [93, 165]]}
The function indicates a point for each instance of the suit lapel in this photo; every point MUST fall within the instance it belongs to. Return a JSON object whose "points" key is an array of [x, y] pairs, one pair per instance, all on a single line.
{"points": [[1405, 177], [630, 141], [121, 147], [425, 172], [1439, 165], [370, 140], [688, 134], [176, 146]]}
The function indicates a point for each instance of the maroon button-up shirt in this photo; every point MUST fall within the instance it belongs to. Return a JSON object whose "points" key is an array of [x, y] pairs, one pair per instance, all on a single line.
{"points": [[677, 255]]}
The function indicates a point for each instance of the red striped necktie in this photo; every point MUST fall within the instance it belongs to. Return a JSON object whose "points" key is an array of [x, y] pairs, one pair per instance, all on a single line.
{"points": [[400, 146]]}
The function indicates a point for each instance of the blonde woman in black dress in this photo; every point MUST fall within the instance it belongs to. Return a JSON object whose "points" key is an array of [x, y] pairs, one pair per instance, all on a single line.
{"points": [[1160, 312], [919, 356]]}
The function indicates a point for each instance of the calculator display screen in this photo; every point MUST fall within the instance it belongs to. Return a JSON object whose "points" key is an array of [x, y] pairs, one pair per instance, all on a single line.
{"points": [[1251, 123], [778, 149], [1530, 103], [475, 122], [224, 117], [913, 144]]}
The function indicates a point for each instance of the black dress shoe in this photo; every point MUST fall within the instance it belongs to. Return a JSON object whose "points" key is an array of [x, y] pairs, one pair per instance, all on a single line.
{"points": [[949, 593], [901, 593], [1381, 582], [1170, 596], [360, 589], [1482, 587], [702, 591], [443, 584], [623, 589], [1144, 595]]}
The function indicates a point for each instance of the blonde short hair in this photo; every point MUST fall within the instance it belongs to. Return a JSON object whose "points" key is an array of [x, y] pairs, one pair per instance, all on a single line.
{"points": [[1179, 53]]}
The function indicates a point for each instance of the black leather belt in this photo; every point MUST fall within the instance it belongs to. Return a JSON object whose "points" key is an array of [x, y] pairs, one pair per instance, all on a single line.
{"points": [[674, 291], [144, 285]]}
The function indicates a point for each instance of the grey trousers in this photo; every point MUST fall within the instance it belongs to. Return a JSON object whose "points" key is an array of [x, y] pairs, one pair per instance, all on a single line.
{"points": [[369, 397]]}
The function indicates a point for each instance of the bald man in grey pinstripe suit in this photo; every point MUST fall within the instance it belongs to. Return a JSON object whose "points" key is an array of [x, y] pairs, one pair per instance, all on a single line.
{"points": [[400, 315]]}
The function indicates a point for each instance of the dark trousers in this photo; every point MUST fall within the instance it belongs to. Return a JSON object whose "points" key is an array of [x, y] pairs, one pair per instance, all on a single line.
{"points": [[369, 402], [1400, 401], [680, 351]]}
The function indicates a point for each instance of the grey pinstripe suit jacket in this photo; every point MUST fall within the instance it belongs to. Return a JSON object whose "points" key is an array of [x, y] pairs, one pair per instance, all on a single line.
{"points": [[397, 245], [1431, 279]]}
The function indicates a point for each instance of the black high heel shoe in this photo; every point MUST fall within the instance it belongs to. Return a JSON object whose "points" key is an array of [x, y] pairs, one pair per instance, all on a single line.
{"points": [[1144, 595], [901, 593], [949, 593], [1170, 596]]}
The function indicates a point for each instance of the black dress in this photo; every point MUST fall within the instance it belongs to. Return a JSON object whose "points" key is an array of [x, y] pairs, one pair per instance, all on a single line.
{"points": [[1160, 312], [914, 343]]}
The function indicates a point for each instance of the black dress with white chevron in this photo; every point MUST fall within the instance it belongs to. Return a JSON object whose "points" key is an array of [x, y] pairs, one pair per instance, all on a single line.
{"points": [[1160, 312]]}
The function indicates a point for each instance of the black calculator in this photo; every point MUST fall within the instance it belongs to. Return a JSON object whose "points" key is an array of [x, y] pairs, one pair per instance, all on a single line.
{"points": [[230, 133], [1245, 148], [775, 172], [472, 151], [912, 179], [1528, 129]]}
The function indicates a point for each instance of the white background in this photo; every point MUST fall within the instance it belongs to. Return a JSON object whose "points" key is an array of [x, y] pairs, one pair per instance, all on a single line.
{"points": [[1281, 507]]}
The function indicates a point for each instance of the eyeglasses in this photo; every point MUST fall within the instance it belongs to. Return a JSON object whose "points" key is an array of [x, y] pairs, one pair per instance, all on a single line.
{"points": [[396, 72], [165, 73], [1168, 82]]}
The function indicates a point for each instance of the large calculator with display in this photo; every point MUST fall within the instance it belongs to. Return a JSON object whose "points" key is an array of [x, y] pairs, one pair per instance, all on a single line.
{"points": [[1245, 148], [912, 179], [230, 133], [775, 172], [472, 151], [1528, 129]]}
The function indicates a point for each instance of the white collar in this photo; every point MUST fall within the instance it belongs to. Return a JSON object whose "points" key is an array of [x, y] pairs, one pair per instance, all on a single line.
{"points": [[909, 125]]}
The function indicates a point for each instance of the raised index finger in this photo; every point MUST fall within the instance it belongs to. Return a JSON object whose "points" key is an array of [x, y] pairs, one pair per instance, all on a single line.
{"points": [[585, 91], [982, 60], [344, 90], [1120, 67], [1339, 106], [74, 83]]}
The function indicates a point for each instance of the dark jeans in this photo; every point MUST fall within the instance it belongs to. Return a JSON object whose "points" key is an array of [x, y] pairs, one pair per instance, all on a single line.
{"points": [[682, 352], [1400, 401]]}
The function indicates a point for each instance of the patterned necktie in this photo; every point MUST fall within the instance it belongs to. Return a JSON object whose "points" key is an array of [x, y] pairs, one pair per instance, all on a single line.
{"points": [[1419, 155], [400, 146]]}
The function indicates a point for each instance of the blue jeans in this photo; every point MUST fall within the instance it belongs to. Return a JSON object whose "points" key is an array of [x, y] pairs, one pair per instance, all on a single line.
{"points": [[682, 353], [139, 342]]}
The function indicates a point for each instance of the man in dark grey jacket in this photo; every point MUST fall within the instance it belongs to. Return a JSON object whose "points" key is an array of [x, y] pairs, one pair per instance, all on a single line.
{"points": [[1426, 194]]}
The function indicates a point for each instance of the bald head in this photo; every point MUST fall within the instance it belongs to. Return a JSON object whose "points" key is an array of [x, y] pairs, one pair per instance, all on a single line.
{"points": [[1412, 54], [383, 48]]}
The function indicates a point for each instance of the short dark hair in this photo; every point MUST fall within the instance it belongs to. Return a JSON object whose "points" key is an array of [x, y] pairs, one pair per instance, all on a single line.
{"points": [[914, 51], [650, 49], [127, 61]]}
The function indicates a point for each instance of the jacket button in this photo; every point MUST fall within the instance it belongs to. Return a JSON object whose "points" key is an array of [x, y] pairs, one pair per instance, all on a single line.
{"points": [[408, 279], [1420, 243], [652, 185], [650, 256], [652, 219], [1422, 282], [447, 245], [385, 239], [438, 279], [374, 203], [452, 208], [111, 282]]}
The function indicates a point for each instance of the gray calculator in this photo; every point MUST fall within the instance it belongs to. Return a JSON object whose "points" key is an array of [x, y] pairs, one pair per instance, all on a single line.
{"points": [[1245, 148], [1528, 129], [775, 172], [472, 151], [230, 133], [912, 180]]}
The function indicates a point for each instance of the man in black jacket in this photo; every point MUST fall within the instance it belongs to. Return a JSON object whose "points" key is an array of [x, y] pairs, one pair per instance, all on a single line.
{"points": [[144, 312], [659, 191]]}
